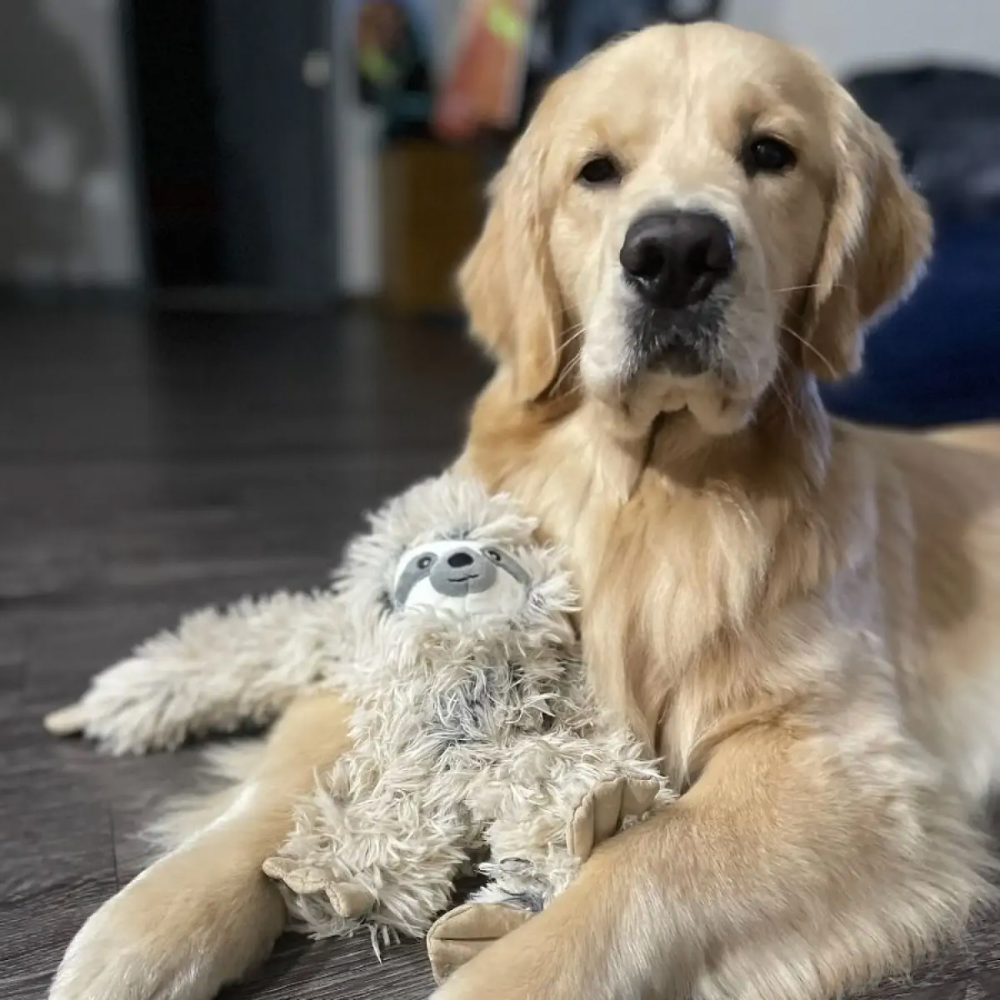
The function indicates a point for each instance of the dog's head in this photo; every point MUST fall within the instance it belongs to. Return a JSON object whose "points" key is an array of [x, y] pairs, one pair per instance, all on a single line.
{"points": [[689, 209]]}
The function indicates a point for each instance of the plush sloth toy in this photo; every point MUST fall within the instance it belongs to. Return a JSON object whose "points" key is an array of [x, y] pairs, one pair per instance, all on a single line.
{"points": [[475, 735]]}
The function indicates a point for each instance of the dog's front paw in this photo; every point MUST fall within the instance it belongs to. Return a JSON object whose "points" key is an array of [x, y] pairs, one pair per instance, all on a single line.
{"points": [[126, 954], [193, 922]]}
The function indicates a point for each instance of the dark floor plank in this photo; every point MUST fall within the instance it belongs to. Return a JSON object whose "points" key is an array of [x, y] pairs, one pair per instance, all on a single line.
{"points": [[339, 970]]}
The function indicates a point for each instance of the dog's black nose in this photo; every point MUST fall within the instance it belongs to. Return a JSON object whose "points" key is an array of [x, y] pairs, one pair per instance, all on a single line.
{"points": [[675, 259], [459, 560]]}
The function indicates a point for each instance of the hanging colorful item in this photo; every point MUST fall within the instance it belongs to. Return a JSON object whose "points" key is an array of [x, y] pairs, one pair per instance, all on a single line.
{"points": [[393, 59], [484, 84]]}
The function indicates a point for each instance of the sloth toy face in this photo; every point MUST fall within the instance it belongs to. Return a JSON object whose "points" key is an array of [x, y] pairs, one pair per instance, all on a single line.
{"points": [[462, 576]]}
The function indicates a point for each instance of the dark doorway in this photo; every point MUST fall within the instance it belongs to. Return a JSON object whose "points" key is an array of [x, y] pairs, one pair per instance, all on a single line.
{"points": [[231, 106]]}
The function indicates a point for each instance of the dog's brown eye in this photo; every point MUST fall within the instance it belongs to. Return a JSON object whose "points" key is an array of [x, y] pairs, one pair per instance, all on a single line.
{"points": [[767, 155], [601, 171]]}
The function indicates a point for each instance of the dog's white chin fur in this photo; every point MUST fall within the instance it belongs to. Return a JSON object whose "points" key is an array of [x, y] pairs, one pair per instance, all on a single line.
{"points": [[720, 402], [717, 410]]}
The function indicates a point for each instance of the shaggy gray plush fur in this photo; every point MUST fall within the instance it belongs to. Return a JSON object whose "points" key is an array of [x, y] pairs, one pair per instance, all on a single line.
{"points": [[475, 734], [475, 729]]}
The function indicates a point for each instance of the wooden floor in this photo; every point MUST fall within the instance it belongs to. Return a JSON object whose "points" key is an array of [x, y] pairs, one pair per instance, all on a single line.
{"points": [[152, 465]]}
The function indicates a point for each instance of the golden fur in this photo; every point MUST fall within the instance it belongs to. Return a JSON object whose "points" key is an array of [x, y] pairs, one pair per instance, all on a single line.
{"points": [[799, 615]]}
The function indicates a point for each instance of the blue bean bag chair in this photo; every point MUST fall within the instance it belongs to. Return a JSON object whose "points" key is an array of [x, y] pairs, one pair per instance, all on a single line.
{"points": [[936, 360]]}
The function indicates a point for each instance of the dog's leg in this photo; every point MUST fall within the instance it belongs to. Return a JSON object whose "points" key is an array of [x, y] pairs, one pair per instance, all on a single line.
{"points": [[217, 672], [789, 871], [205, 914]]}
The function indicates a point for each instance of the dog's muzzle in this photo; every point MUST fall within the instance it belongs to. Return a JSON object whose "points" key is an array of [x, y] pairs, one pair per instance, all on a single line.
{"points": [[672, 262]]}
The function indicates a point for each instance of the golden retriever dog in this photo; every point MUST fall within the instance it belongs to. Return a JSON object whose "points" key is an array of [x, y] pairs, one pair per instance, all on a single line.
{"points": [[802, 617]]}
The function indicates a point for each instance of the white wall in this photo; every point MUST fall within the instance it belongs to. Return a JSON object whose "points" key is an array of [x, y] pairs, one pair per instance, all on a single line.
{"points": [[755, 15], [357, 131], [853, 34]]}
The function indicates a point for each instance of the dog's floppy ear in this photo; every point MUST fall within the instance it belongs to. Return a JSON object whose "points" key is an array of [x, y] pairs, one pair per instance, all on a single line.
{"points": [[878, 235], [507, 281]]}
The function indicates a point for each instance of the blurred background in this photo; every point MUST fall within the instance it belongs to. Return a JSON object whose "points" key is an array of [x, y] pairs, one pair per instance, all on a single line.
{"points": [[249, 154], [228, 230]]}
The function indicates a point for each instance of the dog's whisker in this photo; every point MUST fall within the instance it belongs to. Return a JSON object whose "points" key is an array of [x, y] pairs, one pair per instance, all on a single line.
{"points": [[574, 334], [811, 347], [803, 288], [792, 407], [567, 370]]}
